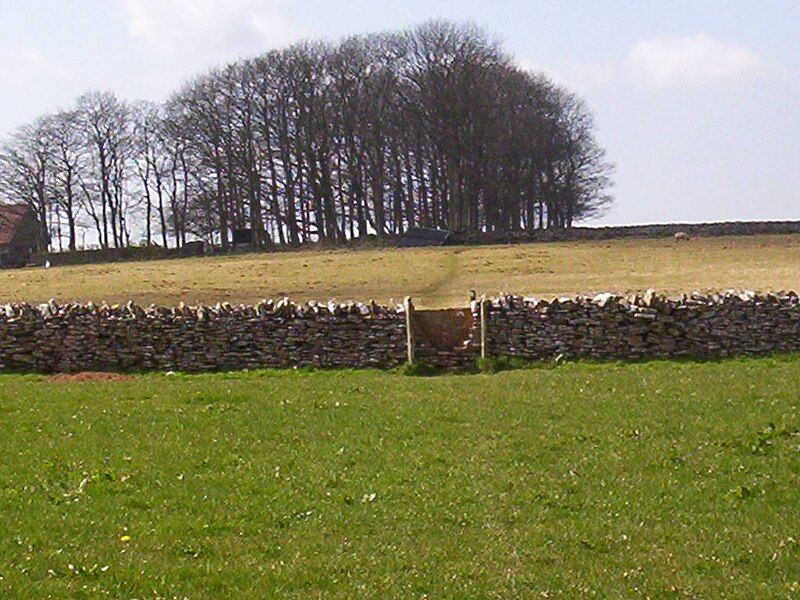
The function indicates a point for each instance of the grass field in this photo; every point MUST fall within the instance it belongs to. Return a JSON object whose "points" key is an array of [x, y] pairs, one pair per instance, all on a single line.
{"points": [[436, 277], [643, 480]]}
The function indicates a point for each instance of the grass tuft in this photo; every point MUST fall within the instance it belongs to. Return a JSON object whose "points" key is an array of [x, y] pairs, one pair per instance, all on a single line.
{"points": [[421, 369], [497, 364]]}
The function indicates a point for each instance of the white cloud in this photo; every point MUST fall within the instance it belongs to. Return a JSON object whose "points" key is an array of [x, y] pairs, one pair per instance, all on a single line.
{"points": [[22, 57], [35, 83], [20, 62], [661, 63], [666, 62], [25, 66], [210, 26]]}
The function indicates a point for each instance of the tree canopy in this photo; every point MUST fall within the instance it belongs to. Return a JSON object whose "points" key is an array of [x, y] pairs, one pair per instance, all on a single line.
{"points": [[434, 126]]}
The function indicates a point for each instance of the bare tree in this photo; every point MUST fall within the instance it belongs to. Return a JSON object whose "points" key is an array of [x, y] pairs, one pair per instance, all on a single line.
{"points": [[25, 173], [432, 126], [105, 121], [67, 163]]}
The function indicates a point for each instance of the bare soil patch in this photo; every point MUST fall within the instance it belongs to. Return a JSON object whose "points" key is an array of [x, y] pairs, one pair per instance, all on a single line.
{"points": [[90, 376]]}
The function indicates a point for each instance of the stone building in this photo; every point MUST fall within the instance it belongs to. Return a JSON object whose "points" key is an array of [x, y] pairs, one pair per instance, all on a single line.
{"points": [[18, 239]]}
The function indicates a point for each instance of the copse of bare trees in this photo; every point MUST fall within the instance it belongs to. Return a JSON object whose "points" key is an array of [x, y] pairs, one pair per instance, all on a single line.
{"points": [[432, 127]]}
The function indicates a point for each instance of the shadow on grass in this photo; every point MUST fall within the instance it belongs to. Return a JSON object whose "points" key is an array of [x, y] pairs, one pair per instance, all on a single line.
{"points": [[490, 365], [498, 364]]}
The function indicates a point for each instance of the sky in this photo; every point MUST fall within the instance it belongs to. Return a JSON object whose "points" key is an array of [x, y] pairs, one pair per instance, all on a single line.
{"points": [[697, 103]]}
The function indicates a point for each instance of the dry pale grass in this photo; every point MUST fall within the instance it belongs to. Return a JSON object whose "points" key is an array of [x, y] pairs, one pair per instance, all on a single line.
{"points": [[435, 277]]}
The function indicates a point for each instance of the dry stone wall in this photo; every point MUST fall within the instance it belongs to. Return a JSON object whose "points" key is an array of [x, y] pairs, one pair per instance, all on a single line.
{"points": [[75, 337], [643, 326]]}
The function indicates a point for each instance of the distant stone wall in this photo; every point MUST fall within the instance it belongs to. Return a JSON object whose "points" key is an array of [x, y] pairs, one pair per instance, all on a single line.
{"points": [[626, 231], [107, 255], [69, 338], [648, 326]]}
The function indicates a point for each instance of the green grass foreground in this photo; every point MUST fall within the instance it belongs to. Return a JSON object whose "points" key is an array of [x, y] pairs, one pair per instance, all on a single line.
{"points": [[644, 480]]}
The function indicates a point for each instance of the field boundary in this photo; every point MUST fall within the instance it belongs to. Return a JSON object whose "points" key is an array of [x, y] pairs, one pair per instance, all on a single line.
{"points": [[54, 338], [612, 232]]}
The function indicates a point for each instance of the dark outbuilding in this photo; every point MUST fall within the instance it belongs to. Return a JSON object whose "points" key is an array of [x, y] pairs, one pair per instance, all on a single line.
{"points": [[417, 237]]}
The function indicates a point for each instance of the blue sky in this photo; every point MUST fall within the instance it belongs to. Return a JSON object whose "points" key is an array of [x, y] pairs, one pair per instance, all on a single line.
{"points": [[698, 103]]}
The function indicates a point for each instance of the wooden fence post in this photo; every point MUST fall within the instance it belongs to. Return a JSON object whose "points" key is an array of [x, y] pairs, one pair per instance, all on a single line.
{"points": [[483, 326], [409, 308]]}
